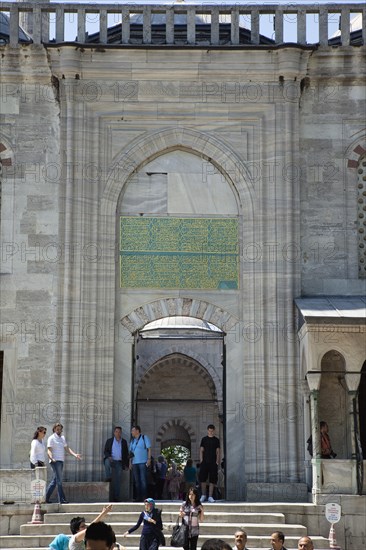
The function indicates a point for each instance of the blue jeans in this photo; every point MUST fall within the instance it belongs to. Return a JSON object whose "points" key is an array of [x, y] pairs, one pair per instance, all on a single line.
{"points": [[116, 468], [57, 468], [107, 468], [140, 479]]}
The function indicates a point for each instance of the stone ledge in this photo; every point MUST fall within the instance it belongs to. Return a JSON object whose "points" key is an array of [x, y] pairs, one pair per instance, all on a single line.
{"points": [[277, 492], [86, 491]]}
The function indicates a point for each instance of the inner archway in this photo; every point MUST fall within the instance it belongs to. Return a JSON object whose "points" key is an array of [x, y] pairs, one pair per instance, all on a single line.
{"points": [[178, 382]]}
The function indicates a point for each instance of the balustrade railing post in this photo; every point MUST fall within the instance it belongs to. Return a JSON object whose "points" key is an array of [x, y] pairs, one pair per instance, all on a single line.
{"points": [[191, 25], [345, 27], [215, 26], [37, 25], [103, 30], [45, 26], [60, 24], [14, 26], [146, 25], [125, 38], [235, 26], [323, 26], [301, 26], [169, 25], [81, 26], [278, 23], [254, 25]]}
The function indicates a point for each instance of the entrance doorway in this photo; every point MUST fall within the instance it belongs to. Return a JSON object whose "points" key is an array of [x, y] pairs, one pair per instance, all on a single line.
{"points": [[178, 382]]}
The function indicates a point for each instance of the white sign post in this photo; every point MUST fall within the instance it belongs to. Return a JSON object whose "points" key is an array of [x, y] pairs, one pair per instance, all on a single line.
{"points": [[333, 515]]}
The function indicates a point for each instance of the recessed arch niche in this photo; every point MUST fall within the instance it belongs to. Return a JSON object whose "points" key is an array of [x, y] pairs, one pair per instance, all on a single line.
{"points": [[333, 404]]}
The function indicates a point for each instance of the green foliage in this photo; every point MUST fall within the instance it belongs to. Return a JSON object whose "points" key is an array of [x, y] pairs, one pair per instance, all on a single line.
{"points": [[177, 453]]}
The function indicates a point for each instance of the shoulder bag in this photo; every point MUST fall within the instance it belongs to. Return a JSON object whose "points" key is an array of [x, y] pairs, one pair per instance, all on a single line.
{"points": [[179, 534]]}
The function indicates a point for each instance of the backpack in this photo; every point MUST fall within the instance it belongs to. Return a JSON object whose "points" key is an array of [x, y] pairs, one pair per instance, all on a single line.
{"points": [[61, 542]]}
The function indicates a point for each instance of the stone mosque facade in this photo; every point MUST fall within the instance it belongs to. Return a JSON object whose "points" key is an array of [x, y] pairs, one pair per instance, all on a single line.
{"points": [[183, 217]]}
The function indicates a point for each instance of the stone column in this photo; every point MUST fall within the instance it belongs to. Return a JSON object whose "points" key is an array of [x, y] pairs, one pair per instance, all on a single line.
{"points": [[307, 429], [313, 379], [353, 381]]}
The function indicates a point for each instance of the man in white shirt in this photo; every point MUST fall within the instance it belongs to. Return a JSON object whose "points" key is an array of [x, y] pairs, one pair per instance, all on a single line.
{"points": [[240, 537], [56, 446]]}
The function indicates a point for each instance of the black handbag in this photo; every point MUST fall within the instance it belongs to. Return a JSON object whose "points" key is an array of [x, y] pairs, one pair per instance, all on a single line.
{"points": [[179, 534]]}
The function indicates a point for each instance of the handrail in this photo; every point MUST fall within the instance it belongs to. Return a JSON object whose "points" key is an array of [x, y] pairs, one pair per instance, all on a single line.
{"points": [[42, 12]]}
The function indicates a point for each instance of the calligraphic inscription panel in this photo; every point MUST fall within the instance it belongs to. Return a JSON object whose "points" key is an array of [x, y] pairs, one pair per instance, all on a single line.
{"points": [[179, 253]]}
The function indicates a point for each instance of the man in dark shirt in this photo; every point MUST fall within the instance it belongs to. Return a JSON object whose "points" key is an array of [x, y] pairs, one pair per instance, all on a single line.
{"points": [[209, 462], [115, 460], [277, 541]]}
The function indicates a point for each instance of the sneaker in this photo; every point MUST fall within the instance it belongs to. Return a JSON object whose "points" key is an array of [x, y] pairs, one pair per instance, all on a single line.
{"points": [[203, 498], [210, 499]]}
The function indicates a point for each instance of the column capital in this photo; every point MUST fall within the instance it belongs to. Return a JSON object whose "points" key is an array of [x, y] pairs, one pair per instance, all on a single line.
{"points": [[313, 378], [352, 381]]}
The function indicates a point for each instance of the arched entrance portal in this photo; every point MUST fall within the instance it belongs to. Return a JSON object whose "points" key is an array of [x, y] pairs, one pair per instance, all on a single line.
{"points": [[178, 382]]}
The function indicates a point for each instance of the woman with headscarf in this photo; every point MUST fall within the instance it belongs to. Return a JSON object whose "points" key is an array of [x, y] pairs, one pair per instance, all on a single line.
{"points": [[151, 536]]}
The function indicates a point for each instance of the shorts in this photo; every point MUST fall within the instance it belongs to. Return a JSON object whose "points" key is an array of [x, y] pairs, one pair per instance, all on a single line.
{"points": [[208, 472]]}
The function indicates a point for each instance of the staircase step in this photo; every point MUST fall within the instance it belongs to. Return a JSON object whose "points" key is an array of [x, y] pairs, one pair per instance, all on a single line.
{"points": [[173, 506], [171, 516], [208, 530]]}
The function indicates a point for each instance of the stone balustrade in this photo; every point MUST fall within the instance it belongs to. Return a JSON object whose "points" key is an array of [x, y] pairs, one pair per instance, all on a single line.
{"points": [[234, 15]]}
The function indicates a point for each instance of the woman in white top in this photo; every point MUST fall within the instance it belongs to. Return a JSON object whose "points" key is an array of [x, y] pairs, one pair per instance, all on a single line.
{"points": [[38, 450]]}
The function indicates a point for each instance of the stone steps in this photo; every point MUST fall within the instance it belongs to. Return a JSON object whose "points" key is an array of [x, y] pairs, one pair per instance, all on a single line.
{"points": [[231, 517], [221, 521], [206, 529]]}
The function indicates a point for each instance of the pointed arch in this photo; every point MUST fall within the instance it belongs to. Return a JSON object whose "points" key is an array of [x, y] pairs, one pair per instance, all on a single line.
{"points": [[200, 361], [203, 368], [172, 424], [154, 144]]}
